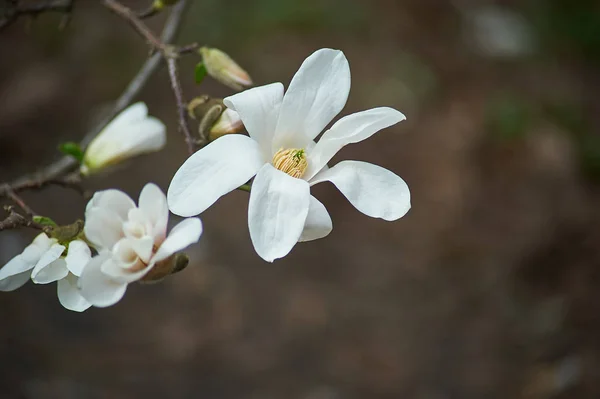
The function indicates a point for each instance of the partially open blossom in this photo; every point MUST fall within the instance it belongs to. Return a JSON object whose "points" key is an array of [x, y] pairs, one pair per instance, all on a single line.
{"points": [[221, 67], [131, 133], [229, 122], [45, 261], [281, 152], [131, 240]]}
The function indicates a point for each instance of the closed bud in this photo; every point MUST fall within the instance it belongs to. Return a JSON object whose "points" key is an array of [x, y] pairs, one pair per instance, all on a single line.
{"points": [[221, 67], [131, 133], [215, 120], [173, 264], [229, 122]]}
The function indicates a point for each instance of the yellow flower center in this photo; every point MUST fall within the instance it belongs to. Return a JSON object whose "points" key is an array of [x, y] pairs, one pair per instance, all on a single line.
{"points": [[291, 161]]}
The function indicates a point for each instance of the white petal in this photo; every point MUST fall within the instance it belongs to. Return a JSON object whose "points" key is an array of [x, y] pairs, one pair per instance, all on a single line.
{"points": [[98, 288], [134, 113], [373, 190], [153, 203], [69, 295], [78, 255], [220, 167], [185, 233], [114, 200], [318, 222], [50, 267], [16, 265], [18, 270], [350, 129], [124, 254], [143, 247], [258, 108], [14, 281], [34, 251], [317, 93], [103, 227], [277, 211]]}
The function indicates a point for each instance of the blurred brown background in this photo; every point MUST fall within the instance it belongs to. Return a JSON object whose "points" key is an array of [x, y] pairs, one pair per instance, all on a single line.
{"points": [[488, 288]]}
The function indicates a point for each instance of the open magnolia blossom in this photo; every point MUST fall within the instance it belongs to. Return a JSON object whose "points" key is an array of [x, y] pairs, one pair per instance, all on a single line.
{"points": [[45, 261], [131, 133], [131, 240], [281, 152]]}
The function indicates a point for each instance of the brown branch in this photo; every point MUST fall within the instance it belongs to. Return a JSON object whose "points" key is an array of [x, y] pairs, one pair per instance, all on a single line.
{"points": [[55, 172], [181, 106], [131, 17], [19, 201], [14, 220], [12, 14], [170, 54]]}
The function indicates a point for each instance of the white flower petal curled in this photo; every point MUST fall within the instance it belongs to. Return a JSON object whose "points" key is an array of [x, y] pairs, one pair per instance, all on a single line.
{"points": [[50, 267], [373, 190], [259, 110], [96, 287], [18, 270], [318, 222], [218, 168], [276, 212], [317, 93], [186, 233], [69, 295], [78, 256], [131, 133], [153, 204], [350, 129]]}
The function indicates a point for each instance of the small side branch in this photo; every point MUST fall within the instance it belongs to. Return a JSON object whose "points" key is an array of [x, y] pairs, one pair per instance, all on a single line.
{"points": [[32, 10], [14, 220], [181, 106]]}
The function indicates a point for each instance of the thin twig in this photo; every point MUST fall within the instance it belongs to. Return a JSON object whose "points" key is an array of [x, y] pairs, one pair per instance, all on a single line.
{"points": [[14, 220], [12, 14], [19, 201], [181, 107], [131, 17], [54, 172]]}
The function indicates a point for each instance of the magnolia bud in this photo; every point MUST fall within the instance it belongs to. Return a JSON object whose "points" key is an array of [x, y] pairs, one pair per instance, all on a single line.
{"points": [[173, 264], [215, 120], [131, 133], [221, 67], [229, 122]]}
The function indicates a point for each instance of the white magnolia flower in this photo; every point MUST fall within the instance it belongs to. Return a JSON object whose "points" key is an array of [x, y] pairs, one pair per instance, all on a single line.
{"points": [[130, 240], [44, 262], [131, 133], [281, 152]]}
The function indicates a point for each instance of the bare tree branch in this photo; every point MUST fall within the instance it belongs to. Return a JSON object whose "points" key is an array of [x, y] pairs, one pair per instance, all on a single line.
{"points": [[181, 107], [54, 172], [13, 13], [170, 54], [14, 220]]}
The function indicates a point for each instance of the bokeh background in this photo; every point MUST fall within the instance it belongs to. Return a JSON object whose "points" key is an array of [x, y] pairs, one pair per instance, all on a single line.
{"points": [[488, 288]]}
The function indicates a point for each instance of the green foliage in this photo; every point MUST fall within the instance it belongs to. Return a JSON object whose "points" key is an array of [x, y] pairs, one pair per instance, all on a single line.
{"points": [[72, 149], [200, 72]]}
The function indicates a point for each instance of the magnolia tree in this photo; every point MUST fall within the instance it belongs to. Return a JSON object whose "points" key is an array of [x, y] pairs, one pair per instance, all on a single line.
{"points": [[262, 140]]}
